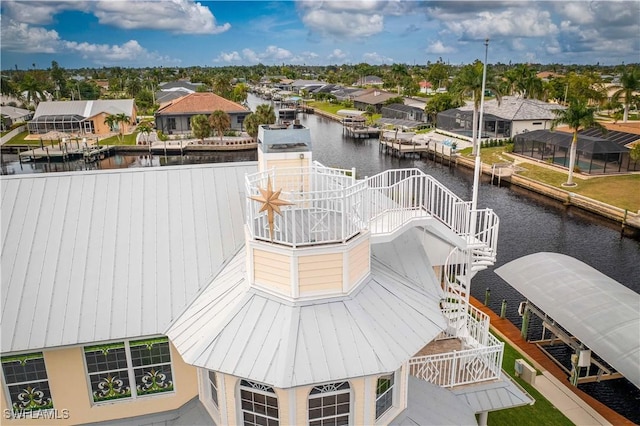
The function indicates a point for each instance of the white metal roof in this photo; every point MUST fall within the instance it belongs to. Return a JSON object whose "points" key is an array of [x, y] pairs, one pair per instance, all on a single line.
{"points": [[492, 396], [84, 108], [602, 313], [238, 330], [429, 404], [102, 255]]}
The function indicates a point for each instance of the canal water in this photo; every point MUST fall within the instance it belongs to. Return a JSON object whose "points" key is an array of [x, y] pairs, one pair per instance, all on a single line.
{"points": [[529, 223]]}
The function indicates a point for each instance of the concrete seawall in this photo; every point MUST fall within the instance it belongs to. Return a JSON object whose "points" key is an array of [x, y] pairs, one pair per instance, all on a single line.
{"points": [[624, 217]]}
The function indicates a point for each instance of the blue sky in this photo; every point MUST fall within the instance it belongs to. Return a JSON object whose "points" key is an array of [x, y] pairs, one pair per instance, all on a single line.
{"points": [[138, 33]]}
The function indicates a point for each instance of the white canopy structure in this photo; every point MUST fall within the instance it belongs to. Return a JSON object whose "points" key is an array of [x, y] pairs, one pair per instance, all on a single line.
{"points": [[602, 313]]}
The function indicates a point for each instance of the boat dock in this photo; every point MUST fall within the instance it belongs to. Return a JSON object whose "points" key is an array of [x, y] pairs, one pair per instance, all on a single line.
{"points": [[64, 151], [360, 132]]}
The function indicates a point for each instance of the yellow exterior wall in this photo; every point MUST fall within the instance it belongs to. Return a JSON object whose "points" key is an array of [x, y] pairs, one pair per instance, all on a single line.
{"points": [[358, 262], [102, 129], [320, 273], [272, 270], [70, 391], [230, 384]]}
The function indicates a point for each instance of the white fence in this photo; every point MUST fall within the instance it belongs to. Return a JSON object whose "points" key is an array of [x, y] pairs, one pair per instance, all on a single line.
{"points": [[460, 367]]}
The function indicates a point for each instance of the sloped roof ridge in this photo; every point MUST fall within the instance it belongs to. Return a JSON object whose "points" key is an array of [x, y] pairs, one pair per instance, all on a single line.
{"points": [[218, 331]]}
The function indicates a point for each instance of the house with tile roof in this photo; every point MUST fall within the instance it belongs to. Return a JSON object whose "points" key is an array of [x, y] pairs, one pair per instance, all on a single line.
{"points": [[82, 117], [277, 292], [174, 117]]}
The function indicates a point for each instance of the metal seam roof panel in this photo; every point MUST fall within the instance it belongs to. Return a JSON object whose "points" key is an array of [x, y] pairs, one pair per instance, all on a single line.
{"points": [[104, 255]]}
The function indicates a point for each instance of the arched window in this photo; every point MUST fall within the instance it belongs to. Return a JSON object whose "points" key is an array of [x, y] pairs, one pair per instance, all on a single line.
{"points": [[213, 386], [330, 404], [259, 404], [384, 395]]}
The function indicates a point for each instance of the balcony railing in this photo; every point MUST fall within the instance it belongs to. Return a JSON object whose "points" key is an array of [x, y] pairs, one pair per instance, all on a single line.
{"points": [[462, 367], [329, 205]]}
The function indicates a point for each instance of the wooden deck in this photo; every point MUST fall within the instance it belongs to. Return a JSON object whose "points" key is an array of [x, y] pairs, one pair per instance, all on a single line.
{"points": [[511, 333]]}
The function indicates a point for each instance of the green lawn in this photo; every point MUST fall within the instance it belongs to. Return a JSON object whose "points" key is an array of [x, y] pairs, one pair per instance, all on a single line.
{"points": [[540, 413], [622, 191]]}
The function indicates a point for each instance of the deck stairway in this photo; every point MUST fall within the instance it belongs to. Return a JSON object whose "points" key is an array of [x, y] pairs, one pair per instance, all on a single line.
{"points": [[327, 205]]}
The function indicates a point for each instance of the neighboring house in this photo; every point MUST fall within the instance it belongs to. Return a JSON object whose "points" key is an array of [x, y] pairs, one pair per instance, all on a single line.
{"points": [[504, 119], [426, 87], [175, 117], [82, 117], [179, 295], [12, 115], [175, 89], [369, 80], [375, 98], [404, 112]]}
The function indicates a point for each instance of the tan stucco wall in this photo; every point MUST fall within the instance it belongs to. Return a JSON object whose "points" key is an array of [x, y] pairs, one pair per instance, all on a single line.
{"points": [[272, 270], [70, 391], [359, 257], [321, 273]]}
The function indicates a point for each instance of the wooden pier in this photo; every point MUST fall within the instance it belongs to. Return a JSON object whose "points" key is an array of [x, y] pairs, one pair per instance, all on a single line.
{"points": [[65, 151]]}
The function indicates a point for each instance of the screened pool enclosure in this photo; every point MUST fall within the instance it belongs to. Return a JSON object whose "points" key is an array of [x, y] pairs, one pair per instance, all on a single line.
{"points": [[461, 123], [594, 154], [68, 123]]}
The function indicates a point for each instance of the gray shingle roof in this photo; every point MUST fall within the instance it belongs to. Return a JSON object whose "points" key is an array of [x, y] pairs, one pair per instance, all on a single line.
{"points": [[514, 109]]}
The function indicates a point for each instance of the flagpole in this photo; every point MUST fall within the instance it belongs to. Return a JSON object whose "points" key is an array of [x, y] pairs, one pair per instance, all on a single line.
{"points": [[478, 164]]}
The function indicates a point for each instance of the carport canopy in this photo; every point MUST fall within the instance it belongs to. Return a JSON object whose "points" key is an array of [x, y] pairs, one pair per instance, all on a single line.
{"points": [[602, 313]]}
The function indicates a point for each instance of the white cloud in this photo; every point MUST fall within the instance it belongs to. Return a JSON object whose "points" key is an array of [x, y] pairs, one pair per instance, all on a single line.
{"points": [[577, 12], [270, 54], [228, 57], [520, 22], [178, 16], [337, 54], [250, 56], [437, 47], [39, 12], [20, 37], [129, 52], [343, 23], [376, 58]]}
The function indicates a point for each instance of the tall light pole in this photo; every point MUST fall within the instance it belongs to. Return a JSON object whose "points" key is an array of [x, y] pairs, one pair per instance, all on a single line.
{"points": [[478, 164]]}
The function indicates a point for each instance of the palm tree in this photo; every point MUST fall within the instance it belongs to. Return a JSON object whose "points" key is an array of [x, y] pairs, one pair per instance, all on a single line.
{"points": [[577, 116], [145, 129], [200, 126], [266, 114], [629, 83], [33, 89], [110, 120], [469, 80], [251, 123], [220, 122]]}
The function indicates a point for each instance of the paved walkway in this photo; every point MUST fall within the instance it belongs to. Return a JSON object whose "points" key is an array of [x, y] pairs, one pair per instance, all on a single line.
{"points": [[580, 408]]}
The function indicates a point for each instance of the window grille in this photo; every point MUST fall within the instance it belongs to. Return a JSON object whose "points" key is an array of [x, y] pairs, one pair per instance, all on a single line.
{"points": [[27, 384], [129, 369], [330, 404]]}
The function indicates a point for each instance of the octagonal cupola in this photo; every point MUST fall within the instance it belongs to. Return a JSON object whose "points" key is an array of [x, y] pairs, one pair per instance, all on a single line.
{"points": [[305, 235]]}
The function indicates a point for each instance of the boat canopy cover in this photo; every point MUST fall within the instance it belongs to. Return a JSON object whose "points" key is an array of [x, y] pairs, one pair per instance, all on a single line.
{"points": [[602, 313]]}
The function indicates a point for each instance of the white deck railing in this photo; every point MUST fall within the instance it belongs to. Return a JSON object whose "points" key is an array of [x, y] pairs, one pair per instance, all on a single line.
{"points": [[460, 367], [388, 200]]}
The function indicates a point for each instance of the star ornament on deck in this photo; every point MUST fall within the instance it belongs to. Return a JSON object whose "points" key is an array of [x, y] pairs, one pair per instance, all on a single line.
{"points": [[271, 203]]}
